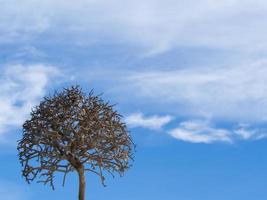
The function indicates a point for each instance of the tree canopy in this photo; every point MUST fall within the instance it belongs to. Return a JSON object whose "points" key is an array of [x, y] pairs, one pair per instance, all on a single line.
{"points": [[71, 131]]}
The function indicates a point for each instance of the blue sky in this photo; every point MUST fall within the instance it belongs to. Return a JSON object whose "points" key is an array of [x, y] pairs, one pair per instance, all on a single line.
{"points": [[188, 76]]}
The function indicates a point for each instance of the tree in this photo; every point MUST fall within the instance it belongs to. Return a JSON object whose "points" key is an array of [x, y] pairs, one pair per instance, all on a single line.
{"points": [[71, 131]]}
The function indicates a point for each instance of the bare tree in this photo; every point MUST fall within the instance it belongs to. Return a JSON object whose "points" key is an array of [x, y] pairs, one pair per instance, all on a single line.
{"points": [[71, 131]]}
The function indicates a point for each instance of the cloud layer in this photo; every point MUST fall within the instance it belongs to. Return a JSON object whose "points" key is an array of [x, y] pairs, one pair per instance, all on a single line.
{"points": [[154, 24], [237, 93]]}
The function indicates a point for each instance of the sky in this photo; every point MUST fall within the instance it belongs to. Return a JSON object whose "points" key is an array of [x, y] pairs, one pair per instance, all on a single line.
{"points": [[189, 77]]}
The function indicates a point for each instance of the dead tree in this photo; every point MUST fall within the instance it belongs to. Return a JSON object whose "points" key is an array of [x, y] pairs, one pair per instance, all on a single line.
{"points": [[71, 131]]}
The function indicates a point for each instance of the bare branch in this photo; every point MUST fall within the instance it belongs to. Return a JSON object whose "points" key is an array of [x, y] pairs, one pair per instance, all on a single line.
{"points": [[72, 131]]}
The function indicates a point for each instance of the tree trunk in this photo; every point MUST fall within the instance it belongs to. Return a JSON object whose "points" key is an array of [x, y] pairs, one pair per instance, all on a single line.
{"points": [[81, 184]]}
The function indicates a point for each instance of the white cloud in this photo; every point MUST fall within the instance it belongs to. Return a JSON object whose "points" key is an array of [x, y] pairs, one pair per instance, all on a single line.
{"points": [[21, 87], [236, 93], [200, 132], [244, 132], [156, 24], [151, 122], [197, 131]]}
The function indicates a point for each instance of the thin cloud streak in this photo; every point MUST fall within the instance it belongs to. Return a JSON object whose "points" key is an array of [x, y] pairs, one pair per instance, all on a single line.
{"points": [[196, 131], [153, 122], [237, 93], [200, 132]]}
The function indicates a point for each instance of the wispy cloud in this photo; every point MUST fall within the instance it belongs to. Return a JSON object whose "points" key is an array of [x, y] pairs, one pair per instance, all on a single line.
{"points": [[211, 23], [245, 132], [21, 87], [235, 92], [151, 122], [197, 131], [203, 131], [200, 132]]}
